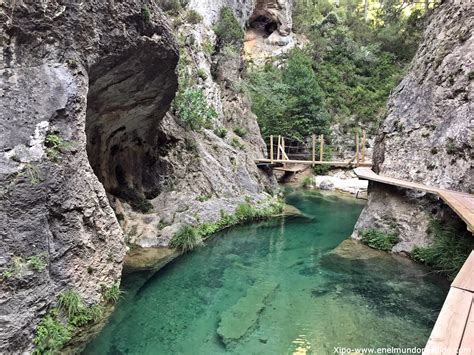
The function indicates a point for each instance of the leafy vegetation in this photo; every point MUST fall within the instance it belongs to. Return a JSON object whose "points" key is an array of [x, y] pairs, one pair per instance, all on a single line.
{"points": [[190, 237], [228, 30], [345, 73], [59, 324], [379, 240], [146, 13], [449, 250], [19, 264], [235, 142], [186, 239], [221, 132], [307, 182], [51, 334], [241, 132], [192, 108], [55, 145], [193, 17], [203, 198], [111, 294], [37, 262]]}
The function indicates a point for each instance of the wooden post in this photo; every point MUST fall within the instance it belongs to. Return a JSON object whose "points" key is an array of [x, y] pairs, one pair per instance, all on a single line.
{"points": [[357, 149], [363, 145], [278, 147], [283, 150], [314, 148], [321, 147], [271, 148]]}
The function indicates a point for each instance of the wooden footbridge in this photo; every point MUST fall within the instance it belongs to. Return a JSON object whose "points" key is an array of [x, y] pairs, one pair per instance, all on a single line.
{"points": [[453, 332], [292, 155]]}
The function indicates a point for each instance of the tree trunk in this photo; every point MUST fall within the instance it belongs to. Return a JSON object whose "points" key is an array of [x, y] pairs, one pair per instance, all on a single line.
{"points": [[366, 10]]}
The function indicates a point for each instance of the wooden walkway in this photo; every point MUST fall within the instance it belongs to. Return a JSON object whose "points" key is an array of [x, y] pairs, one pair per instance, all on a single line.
{"points": [[453, 332], [461, 203]]}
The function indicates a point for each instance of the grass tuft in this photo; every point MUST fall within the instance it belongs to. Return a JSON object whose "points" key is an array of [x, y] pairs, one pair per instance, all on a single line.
{"points": [[379, 240], [449, 250]]}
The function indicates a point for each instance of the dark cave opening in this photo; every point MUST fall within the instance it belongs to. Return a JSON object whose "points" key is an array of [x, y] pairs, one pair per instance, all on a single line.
{"points": [[263, 23], [129, 94]]}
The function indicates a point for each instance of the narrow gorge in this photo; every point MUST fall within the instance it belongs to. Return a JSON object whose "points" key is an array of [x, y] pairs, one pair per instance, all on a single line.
{"points": [[148, 203]]}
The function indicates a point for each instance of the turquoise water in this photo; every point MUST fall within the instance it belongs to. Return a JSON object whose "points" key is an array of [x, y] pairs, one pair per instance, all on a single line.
{"points": [[286, 286]]}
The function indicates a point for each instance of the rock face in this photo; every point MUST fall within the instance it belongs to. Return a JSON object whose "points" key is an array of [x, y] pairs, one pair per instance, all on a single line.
{"points": [[67, 69], [427, 136]]}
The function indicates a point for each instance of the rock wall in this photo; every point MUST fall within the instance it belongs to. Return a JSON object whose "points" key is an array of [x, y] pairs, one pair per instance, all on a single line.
{"points": [[427, 136], [60, 62]]}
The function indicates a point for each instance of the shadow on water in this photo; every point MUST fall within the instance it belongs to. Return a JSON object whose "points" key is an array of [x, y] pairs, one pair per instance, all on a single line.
{"points": [[330, 291]]}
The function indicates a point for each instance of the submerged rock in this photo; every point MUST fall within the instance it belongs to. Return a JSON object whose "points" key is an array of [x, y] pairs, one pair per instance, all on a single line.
{"points": [[242, 317]]}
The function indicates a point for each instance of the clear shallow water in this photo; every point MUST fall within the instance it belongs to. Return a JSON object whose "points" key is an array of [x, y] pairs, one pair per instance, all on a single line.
{"points": [[277, 287]]}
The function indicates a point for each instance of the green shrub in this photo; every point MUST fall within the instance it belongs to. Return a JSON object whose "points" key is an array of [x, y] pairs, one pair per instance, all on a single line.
{"points": [[245, 212], [241, 132], [202, 74], [322, 169], [307, 182], [203, 198], [172, 7], [186, 239], [449, 250], [55, 145], [235, 142], [146, 14], [228, 29], [379, 240], [37, 262], [70, 302], [192, 108], [51, 335], [111, 294], [193, 17], [221, 132]]}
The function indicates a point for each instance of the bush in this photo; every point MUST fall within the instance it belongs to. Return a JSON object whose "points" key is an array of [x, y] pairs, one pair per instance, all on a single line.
{"points": [[193, 17], [221, 132], [146, 14], [192, 108], [172, 7], [241, 132], [202, 74], [111, 294], [307, 182], [449, 250], [379, 240], [203, 198], [70, 302], [228, 29], [37, 262], [51, 335], [186, 239], [322, 169], [55, 145]]}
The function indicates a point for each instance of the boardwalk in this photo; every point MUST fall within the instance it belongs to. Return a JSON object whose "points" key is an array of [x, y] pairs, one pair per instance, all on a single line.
{"points": [[461, 203], [453, 332], [454, 328]]}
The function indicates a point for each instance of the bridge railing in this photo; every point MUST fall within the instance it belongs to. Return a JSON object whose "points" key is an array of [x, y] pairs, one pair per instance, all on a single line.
{"points": [[282, 149]]}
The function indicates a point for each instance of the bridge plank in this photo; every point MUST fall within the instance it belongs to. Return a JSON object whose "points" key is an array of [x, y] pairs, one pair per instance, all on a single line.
{"points": [[449, 328], [468, 336], [465, 277]]}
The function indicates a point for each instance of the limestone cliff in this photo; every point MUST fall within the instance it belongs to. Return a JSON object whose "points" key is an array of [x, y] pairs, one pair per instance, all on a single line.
{"points": [[68, 68], [92, 158], [427, 136]]}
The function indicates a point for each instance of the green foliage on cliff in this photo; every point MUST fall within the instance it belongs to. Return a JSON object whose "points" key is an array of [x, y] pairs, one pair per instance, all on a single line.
{"points": [[379, 240], [449, 250], [192, 108], [186, 239], [112, 293], [58, 326], [228, 29], [346, 72], [288, 100]]}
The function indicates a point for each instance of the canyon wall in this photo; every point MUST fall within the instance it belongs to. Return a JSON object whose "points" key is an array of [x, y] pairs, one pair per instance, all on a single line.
{"points": [[427, 136], [58, 230]]}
